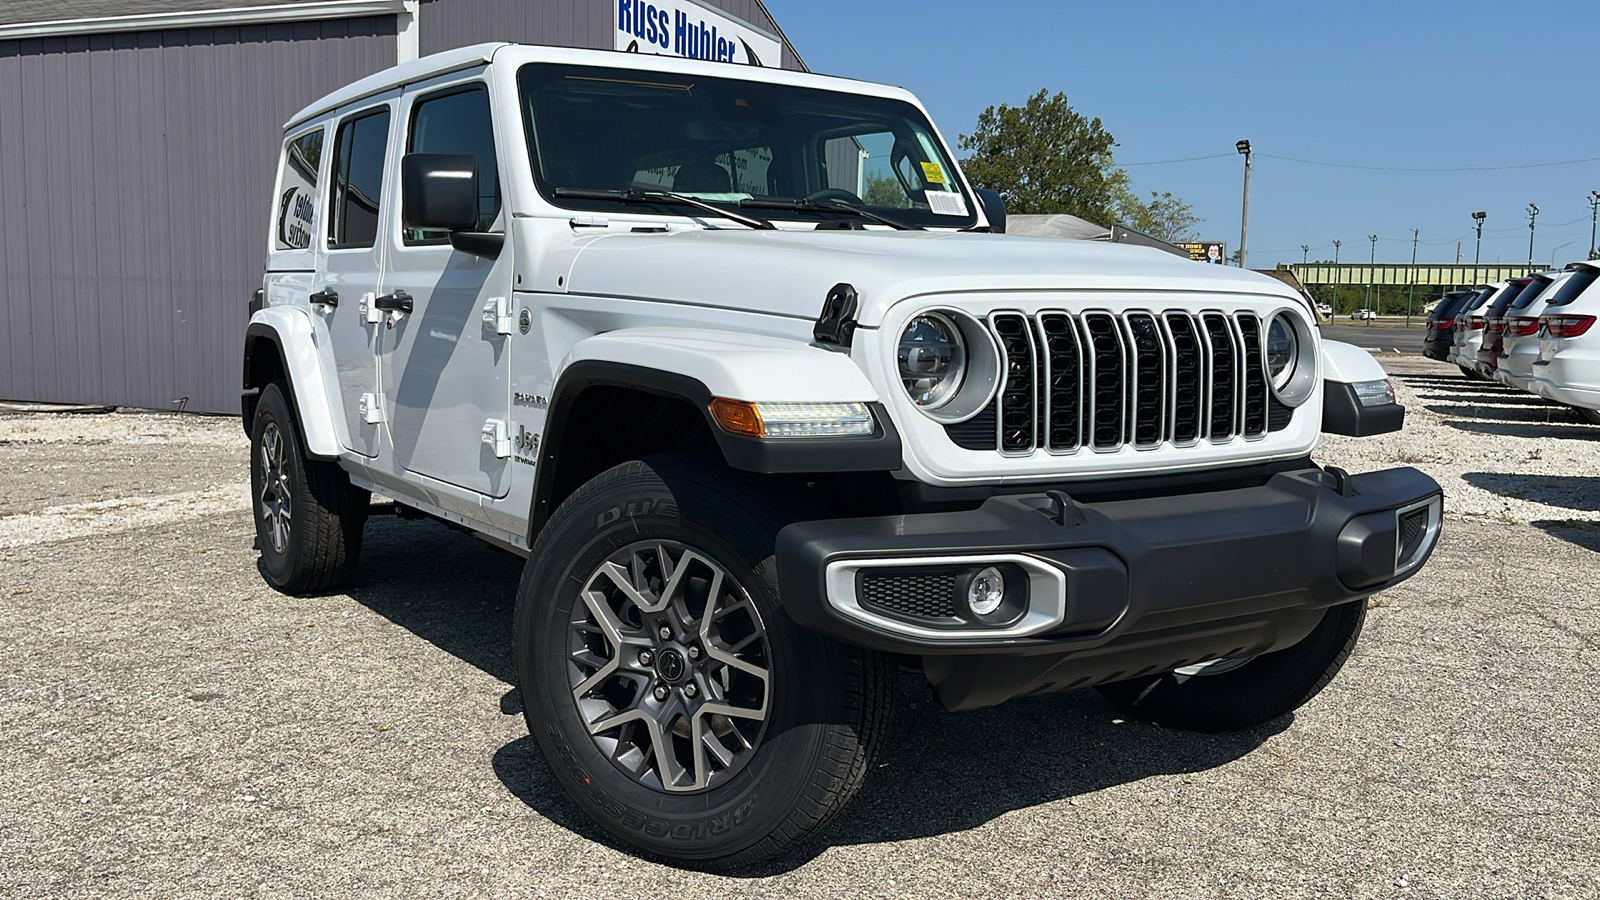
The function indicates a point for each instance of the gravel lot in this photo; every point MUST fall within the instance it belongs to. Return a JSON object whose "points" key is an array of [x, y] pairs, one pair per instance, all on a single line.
{"points": [[172, 727]]}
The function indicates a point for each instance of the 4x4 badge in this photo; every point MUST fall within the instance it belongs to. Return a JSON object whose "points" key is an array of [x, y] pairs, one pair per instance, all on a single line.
{"points": [[525, 320]]}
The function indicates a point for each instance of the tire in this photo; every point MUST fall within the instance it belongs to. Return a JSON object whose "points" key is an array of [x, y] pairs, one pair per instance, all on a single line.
{"points": [[1470, 372], [803, 737], [1248, 693], [1592, 416], [309, 517]]}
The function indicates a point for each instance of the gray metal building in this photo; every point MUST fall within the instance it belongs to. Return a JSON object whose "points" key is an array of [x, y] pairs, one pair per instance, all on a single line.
{"points": [[137, 144]]}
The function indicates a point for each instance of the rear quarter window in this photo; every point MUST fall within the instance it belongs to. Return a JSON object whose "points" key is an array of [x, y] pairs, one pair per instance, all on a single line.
{"points": [[295, 221]]}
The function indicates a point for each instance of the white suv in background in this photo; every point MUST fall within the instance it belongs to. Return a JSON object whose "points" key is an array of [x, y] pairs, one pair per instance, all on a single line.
{"points": [[1520, 345], [1468, 331], [1567, 369]]}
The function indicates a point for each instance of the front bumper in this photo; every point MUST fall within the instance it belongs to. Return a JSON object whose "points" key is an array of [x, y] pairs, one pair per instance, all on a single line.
{"points": [[1121, 588]]}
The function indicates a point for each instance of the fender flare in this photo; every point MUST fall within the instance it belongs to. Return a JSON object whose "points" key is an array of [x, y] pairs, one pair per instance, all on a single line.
{"points": [[1343, 365], [694, 366], [287, 332]]}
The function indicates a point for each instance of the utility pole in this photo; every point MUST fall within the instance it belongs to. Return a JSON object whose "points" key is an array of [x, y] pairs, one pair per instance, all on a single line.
{"points": [[1411, 292], [1533, 220], [1244, 218], [1372, 266], [1336, 275], [1478, 217], [1305, 251], [1594, 216]]}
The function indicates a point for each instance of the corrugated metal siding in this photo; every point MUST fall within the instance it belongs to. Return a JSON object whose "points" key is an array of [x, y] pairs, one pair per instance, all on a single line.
{"points": [[446, 24], [135, 173]]}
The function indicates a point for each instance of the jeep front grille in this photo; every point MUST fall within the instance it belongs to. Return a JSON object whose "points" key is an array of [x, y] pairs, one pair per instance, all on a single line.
{"points": [[1106, 380]]}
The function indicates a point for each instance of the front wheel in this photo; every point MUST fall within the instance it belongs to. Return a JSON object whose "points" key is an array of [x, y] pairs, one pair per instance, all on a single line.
{"points": [[673, 698], [1229, 694]]}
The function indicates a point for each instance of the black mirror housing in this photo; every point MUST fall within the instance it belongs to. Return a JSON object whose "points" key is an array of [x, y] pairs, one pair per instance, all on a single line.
{"points": [[994, 209], [439, 191]]}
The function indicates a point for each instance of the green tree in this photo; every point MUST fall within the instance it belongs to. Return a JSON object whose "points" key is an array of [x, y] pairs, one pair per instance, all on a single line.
{"points": [[1045, 157], [885, 191], [1165, 216]]}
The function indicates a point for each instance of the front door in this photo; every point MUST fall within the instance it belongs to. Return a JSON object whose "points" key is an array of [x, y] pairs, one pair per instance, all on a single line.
{"points": [[342, 296], [445, 364]]}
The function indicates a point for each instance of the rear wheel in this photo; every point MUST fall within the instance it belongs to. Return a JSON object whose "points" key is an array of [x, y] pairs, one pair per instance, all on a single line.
{"points": [[1589, 415], [1469, 372], [309, 517], [1230, 694], [673, 698]]}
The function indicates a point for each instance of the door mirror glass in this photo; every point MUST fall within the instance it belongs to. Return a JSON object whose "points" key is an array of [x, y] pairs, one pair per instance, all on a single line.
{"points": [[439, 191]]}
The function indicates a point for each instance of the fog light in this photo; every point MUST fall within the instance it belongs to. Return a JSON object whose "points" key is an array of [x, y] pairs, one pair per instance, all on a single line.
{"points": [[987, 592]]}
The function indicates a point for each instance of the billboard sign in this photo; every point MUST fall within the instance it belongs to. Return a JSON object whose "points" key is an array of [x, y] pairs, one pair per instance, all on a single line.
{"points": [[693, 30], [1215, 252]]}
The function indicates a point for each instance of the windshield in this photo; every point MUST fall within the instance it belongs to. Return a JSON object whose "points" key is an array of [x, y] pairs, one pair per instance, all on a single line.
{"points": [[724, 140]]}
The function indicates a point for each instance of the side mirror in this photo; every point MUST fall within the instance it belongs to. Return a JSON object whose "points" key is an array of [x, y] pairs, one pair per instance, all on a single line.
{"points": [[994, 209], [439, 192]]}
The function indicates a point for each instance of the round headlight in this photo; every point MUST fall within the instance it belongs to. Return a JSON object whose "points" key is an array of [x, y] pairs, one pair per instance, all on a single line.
{"points": [[933, 359], [1289, 354], [1282, 350]]}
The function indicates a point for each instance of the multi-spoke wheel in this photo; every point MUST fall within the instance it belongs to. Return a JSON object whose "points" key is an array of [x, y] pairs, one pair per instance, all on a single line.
{"points": [[309, 518], [669, 665], [1230, 694], [674, 700]]}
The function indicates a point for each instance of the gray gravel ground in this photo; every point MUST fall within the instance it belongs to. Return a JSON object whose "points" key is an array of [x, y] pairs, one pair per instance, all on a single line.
{"points": [[171, 727]]}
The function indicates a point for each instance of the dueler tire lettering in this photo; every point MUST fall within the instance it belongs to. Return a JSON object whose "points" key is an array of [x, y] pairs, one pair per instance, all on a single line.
{"points": [[826, 706]]}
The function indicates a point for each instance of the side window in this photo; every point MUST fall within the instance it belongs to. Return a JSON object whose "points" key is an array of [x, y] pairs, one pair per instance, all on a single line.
{"points": [[357, 190], [458, 123], [297, 200]]}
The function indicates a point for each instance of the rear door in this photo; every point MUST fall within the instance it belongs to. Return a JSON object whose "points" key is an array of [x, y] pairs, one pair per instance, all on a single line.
{"points": [[348, 280], [445, 365]]}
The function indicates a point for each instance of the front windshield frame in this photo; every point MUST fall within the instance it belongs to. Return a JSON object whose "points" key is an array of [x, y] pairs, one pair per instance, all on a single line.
{"points": [[912, 136]]}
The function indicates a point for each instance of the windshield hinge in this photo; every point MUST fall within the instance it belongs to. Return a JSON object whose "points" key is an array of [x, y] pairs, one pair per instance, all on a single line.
{"points": [[837, 323]]}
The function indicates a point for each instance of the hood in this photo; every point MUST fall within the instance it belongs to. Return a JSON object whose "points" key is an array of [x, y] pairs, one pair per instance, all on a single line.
{"points": [[787, 273]]}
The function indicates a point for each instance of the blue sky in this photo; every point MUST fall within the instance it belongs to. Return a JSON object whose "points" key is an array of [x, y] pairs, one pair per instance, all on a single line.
{"points": [[1401, 84]]}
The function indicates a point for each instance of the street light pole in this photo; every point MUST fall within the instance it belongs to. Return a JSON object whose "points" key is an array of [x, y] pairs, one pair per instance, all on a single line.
{"points": [[1336, 244], [1594, 216], [1478, 217], [1533, 220], [1372, 266], [1411, 292], [1305, 251], [1244, 217]]}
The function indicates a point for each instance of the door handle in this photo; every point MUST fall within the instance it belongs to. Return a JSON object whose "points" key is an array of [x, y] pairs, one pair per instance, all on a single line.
{"points": [[325, 297], [399, 301]]}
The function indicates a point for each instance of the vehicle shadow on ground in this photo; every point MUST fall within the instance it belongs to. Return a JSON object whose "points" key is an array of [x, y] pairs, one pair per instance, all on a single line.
{"points": [[941, 772], [945, 772], [1567, 491], [1576, 430], [449, 589], [1583, 533], [1545, 414]]}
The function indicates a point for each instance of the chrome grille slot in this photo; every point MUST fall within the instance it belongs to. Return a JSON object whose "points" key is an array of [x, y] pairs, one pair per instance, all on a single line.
{"points": [[1188, 379], [1106, 380], [1063, 379], [1109, 377], [1255, 377], [1018, 420], [1149, 379], [1224, 381]]}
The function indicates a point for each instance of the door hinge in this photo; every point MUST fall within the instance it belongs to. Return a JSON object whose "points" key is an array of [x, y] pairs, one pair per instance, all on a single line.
{"points": [[370, 310], [371, 411], [497, 315], [497, 437]]}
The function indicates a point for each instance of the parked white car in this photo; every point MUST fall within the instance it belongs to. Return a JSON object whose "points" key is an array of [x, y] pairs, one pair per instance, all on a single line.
{"points": [[1567, 369], [1520, 345], [764, 441], [1469, 329], [1364, 314]]}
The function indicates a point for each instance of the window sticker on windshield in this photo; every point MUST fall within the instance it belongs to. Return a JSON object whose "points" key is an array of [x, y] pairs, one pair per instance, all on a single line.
{"points": [[944, 203], [932, 172]]}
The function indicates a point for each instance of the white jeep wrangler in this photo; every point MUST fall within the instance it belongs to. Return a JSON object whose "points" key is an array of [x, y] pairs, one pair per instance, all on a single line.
{"points": [[738, 360]]}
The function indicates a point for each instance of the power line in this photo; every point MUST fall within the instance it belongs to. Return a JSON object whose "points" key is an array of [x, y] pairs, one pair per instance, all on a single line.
{"points": [[1163, 162], [1314, 162]]}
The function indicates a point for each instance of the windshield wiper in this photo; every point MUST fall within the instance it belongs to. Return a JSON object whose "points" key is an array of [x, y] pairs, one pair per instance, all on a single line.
{"points": [[639, 196], [827, 205]]}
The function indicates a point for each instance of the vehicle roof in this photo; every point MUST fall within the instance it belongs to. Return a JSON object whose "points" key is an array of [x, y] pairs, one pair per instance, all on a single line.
{"points": [[516, 55]]}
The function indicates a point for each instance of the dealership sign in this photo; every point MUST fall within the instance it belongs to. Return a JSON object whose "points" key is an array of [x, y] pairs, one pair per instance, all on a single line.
{"points": [[1215, 252], [690, 29]]}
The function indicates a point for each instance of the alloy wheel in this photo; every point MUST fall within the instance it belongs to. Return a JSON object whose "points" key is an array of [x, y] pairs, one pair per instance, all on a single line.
{"points": [[276, 501]]}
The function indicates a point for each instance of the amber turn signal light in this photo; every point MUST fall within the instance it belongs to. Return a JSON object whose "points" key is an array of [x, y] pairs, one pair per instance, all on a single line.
{"points": [[738, 417]]}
